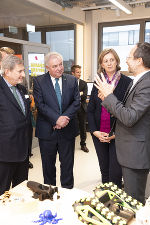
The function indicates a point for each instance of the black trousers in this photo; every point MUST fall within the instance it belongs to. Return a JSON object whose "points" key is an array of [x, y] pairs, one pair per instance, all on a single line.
{"points": [[12, 173], [81, 116], [135, 182], [110, 168], [65, 149]]}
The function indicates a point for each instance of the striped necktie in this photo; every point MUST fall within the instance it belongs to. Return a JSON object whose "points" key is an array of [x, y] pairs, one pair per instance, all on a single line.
{"points": [[58, 93], [14, 91]]}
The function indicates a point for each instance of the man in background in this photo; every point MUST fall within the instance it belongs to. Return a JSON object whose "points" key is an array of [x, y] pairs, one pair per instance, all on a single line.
{"points": [[14, 124], [81, 114], [57, 100], [133, 121]]}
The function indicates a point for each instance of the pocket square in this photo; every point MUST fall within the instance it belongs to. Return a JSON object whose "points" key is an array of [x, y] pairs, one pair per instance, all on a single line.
{"points": [[26, 96]]}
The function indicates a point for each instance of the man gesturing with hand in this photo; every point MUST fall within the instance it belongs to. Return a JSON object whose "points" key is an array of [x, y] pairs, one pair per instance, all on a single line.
{"points": [[133, 121]]}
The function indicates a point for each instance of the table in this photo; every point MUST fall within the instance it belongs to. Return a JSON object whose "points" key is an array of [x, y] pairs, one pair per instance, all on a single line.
{"points": [[63, 207]]}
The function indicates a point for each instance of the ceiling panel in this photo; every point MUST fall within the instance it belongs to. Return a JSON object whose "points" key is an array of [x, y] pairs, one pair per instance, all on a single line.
{"points": [[20, 12]]}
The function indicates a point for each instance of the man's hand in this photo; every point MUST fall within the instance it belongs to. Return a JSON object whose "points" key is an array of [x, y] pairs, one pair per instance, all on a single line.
{"points": [[104, 88], [101, 96], [81, 93], [62, 122]]}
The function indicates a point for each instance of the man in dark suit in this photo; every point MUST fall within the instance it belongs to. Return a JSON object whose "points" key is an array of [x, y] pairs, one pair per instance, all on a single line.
{"points": [[14, 124], [81, 114], [57, 100], [133, 122]]}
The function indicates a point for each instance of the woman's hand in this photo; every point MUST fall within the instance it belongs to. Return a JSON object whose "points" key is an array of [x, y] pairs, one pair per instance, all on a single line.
{"points": [[102, 136], [112, 137]]}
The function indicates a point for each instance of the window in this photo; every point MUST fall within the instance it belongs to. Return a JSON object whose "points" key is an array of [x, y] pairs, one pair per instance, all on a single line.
{"points": [[147, 32], [62, 42], [122, 36], [34, 36], [122, 39]]}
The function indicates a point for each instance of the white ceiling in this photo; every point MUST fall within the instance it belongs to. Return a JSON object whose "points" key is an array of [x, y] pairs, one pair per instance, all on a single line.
{"points": [[19, 13]]}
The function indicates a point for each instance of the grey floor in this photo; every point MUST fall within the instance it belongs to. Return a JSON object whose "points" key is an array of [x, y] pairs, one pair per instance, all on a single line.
{"points": [[86, 169]]}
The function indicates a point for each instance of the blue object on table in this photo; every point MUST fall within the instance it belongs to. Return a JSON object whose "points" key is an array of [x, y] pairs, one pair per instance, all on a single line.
{"points": [[47, 217]]}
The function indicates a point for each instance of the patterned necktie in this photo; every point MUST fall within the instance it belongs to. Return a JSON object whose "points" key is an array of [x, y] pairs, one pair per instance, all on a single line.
{"points": [[58, 93], [14, 91]]}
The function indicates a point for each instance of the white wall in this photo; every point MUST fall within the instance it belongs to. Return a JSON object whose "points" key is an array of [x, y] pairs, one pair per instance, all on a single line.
{"points": [[91, 33]]}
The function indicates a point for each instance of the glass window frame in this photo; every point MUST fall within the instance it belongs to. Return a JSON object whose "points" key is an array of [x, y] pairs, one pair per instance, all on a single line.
{"points": [[62, 27], [142, 23]]}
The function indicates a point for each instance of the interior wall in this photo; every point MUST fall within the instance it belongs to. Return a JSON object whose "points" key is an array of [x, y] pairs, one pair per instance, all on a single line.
{"points": [[88, 47], [91, 33]]}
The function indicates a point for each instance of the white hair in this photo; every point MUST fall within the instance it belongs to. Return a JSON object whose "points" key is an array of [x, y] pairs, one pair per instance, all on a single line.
{"points": [[52, 55]]}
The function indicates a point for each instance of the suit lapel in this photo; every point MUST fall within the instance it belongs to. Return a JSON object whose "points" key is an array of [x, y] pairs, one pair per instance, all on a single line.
{"points": [[48, 85], [49, 88], [80, 85], [8, 93], [129, 92], [23, 98], [64, 87]]}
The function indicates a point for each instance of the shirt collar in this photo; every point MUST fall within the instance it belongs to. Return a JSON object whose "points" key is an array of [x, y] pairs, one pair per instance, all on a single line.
{"points": [[53, 78], [135, 79], [9, 85]]}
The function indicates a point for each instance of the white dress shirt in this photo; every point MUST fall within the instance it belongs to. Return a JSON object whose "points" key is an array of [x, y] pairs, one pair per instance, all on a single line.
{"points": [[59, 81]]}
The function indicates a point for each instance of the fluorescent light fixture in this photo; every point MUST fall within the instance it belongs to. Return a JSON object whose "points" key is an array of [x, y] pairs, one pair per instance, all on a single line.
{"points": [[122, 5], [96, 7], [30, 28]]}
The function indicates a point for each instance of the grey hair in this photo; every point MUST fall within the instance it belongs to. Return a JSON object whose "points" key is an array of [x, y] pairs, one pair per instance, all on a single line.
{"points": [[52, 55], [0, 56], [9, 62]]}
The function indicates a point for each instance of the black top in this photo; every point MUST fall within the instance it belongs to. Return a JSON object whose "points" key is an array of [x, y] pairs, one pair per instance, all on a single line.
{"points": [[94, 105]]}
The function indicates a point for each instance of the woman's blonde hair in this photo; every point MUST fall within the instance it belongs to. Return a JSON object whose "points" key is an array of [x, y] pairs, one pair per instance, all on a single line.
{"points": [[101, 56], [7, 50]]}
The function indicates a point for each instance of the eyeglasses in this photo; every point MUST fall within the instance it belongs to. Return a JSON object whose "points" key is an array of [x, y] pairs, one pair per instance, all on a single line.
{"points": [[129, 57]]}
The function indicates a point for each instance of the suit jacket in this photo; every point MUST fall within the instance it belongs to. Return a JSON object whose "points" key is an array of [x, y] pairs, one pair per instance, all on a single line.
{"points": [[94, 105], [14, 125], [48, 107], [83, 88], [133, 125]]}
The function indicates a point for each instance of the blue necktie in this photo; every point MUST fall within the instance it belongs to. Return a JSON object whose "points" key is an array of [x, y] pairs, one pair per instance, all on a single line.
{"points": [[58, 93]]}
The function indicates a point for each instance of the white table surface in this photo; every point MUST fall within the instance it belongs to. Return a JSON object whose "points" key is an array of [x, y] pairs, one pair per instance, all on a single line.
{"points": [[63, 206]]}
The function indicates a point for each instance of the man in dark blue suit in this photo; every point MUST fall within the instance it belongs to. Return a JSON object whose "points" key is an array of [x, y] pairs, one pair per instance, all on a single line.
{"points": [[81, 114], [57, 99], [14, 124]]}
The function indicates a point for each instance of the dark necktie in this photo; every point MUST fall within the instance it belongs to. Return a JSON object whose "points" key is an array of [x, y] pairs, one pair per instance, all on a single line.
{"points": [[58, 93], [124, 100], [14, 91], [127, 92]]}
